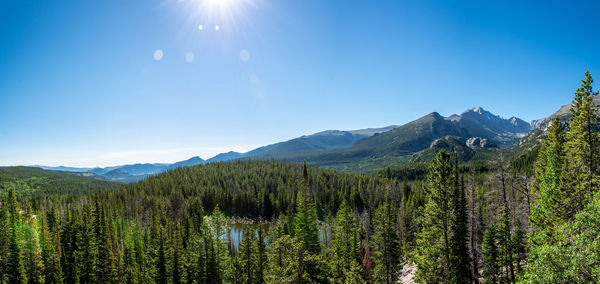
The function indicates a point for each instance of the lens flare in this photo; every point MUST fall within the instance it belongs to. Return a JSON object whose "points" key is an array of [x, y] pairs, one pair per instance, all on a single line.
{"points": [[226, 15]]}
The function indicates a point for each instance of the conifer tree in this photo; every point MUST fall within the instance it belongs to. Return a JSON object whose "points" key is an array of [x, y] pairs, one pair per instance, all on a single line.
{"points": [[491, 268], [519, 247], [16, 269], [178, 255], [544, 212], [581, 151], [4, 242], [305, 221], [460, 259], [248, 255], [51, 249], [386, 244], [432, 251], [505, 245], [32, 255], [86, 254], [345, 245], [261, 247]]}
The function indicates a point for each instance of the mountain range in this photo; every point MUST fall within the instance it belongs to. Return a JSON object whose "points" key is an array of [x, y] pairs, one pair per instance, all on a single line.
{"points": [[474, 131]]}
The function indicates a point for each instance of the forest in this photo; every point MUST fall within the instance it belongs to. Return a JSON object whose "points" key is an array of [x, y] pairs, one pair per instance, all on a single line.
{"points": [[532, 218]]}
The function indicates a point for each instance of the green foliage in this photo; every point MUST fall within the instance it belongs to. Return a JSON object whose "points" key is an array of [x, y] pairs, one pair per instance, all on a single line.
{"points": [[37, 183], [564, 241], [582, 166], [432, 251], [344, 253], [386, 244], [574, 256], [460, 260], [491, 267]]}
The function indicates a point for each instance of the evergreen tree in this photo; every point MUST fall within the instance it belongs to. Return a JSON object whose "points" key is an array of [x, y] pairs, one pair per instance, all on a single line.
{"points": [[86, 251], [491, 269], [16, 269], [51, 249], [32, 253], [345, 246], [460, 259], [504, 236], [4, 242], [386, 244], [432, 251], [261, 247], [519, 246], [546, 187], [581, 151], [305, 221], [248, 254], [178, 255]]}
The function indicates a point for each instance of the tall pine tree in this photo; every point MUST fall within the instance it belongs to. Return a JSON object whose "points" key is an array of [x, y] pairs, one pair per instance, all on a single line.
{"points": [[432, 251]]}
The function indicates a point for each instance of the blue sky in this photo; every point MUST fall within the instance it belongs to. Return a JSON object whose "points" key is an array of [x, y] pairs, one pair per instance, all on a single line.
{"points": [[80, 84]]}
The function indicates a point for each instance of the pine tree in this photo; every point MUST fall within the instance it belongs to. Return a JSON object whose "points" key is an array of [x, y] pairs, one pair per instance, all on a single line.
{"points": [[305, 221], [162, 265], [34, 266], [12, 205], [261, 247], [386, 244], [491, 268], [86, 250], [178, 255], [345, 245], [16, 269], [504, 236], [519, 247], [51, 249], [546, 187], [4, 242], [460, 259], [286, 261], [248, 255], [218, 254], [581, 151], [432, 251]]}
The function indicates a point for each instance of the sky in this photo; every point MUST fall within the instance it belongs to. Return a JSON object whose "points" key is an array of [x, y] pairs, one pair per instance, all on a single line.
{"points": [[98, 83]]}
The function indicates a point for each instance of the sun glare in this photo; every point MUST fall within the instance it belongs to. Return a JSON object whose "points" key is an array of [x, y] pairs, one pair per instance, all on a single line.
{"points": [[220, 14]]}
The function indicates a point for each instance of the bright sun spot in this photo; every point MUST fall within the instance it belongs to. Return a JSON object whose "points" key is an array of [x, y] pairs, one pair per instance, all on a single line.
{"points": [[217, 13]]}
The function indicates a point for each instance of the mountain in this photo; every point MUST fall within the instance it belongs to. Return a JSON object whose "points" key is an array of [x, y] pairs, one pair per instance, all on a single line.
{"points": [[62, 168], [481, 123], [187, 163], [402, 143], [330, 139], [324, 140], [474, 131], [563, 113], [231, 155]]}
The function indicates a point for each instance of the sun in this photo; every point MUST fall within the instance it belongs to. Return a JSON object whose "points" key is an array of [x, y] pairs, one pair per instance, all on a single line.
{"points": [[217, 13]]}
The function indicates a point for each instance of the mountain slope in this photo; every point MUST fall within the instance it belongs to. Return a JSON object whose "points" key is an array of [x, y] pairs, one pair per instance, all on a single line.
{"points": [[478, 122], [38, 182], [398, 145]]}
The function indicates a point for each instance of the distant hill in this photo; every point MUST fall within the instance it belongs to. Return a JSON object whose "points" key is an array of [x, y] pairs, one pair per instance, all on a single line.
{"points": [[37, 182], [324, 140], [472, 133], [130, 173]]}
